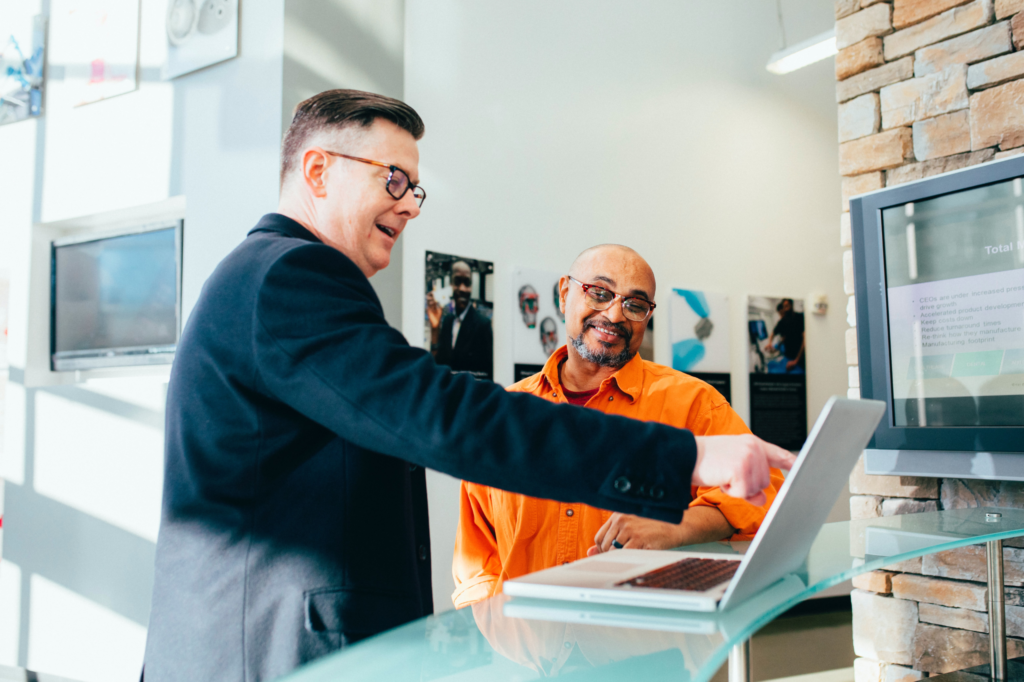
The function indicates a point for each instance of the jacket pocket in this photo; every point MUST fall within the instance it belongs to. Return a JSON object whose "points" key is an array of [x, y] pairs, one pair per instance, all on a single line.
{"points": [[353, 612]]}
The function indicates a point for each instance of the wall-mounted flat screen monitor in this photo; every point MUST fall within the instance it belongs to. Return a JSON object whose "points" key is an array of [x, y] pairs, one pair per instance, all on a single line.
{"points": [[939, 274], [116, 299]]}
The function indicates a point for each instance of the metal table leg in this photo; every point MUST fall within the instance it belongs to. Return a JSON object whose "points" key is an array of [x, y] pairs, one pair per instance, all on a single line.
{"points": [[739, 662], [996, 612]]}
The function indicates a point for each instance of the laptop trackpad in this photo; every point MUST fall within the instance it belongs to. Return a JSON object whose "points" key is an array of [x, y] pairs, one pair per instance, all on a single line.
{"points": [[604, 566]]}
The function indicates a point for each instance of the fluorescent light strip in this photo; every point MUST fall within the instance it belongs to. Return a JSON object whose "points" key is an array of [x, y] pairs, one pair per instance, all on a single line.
{"points": [[800, 55]]}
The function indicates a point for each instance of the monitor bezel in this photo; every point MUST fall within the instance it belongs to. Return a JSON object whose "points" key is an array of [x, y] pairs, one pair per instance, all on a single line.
{"points": [[872, 316], [117, 356]]}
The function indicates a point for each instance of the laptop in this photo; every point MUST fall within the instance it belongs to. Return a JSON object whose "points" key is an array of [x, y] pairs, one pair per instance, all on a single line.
{"points": [[697, 581], [727, 623]]}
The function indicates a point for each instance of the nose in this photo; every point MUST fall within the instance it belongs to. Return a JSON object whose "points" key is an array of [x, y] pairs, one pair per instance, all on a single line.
{"points": [[407, 207], [614, 312]]}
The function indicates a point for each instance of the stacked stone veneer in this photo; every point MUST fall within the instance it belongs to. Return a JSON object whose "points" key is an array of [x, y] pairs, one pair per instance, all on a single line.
{"points": [[925, 87]]}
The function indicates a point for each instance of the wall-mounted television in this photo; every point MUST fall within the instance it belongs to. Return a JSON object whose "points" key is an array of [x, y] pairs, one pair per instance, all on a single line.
{"points": [[939, 278], [115, 299]]}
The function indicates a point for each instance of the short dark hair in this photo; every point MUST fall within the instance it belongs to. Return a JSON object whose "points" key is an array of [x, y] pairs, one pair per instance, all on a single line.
{"points": [[340, 109]]}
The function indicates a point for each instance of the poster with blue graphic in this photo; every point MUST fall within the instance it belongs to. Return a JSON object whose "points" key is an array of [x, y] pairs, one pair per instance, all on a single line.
{"points": [[22, 67], [699, 334]]}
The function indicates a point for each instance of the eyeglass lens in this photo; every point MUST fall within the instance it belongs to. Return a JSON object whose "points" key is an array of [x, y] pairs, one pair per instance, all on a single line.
{"points": [[399, 184], [635, 309]]}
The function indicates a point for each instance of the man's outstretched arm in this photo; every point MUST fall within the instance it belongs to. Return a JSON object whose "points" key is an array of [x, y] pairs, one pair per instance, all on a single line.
{"points": [[332, 357]]}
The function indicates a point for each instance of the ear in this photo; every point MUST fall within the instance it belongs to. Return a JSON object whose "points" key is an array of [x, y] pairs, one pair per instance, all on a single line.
{"points": [[314, 171], [563, 291]]}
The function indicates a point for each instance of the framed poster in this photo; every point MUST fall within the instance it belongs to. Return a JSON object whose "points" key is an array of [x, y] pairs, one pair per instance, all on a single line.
{"points": [[199, 33], [538, 327], [97, 41], [22, 62], [458, 311], [699, 334], [778, 374]]}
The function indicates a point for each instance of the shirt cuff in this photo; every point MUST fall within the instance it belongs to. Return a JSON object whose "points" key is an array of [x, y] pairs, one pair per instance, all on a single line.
{"points": [[475, 589]]}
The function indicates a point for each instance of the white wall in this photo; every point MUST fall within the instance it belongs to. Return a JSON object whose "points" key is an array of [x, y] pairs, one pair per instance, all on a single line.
{"points": [[83, 463], [355, 44], [552, 127]]}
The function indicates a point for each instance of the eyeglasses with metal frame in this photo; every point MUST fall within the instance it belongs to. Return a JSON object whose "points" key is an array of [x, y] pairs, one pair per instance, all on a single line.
{"points": [[634, 308], [398, 182]]}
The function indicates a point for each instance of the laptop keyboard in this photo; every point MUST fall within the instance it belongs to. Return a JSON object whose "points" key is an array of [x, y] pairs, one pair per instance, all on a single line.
{"points": [[691, 574]]}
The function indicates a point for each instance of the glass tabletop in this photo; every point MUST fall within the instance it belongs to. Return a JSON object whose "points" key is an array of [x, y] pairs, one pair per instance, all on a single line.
{"points": [[511, 639]]}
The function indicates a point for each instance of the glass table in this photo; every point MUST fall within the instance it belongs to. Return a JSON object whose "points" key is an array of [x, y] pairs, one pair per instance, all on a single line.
{"points": [[512, 639]]}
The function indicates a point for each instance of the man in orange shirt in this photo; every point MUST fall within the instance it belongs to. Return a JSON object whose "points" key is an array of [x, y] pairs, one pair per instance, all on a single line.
{"points": [[607, 298]]}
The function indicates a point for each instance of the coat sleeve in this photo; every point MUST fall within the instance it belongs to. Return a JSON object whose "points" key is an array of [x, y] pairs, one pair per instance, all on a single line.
{"points": [[324, 349]]}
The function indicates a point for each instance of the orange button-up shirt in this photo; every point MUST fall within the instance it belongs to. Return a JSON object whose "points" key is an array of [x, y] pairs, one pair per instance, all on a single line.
{"points": [[505, 535]]}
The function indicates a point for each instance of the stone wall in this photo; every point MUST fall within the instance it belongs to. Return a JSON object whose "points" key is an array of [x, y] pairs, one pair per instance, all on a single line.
{"points": [[925, 87]]}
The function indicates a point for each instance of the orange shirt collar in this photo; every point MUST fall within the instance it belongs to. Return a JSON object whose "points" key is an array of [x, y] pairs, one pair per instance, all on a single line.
{"points": [[629, 379]]}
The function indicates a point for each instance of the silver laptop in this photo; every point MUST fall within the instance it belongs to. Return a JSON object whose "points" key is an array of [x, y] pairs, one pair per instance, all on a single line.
{"points": [[696, 581]]}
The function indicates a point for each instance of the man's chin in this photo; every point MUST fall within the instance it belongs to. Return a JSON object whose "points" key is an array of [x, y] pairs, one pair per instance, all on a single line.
{"points": [[380, 262]]}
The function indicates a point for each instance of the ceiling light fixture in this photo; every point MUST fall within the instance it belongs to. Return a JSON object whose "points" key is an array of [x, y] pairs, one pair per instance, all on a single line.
{"points": [[812, 50]]}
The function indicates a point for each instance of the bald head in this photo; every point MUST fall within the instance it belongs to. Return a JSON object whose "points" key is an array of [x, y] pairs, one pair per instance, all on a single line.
{"points": [[605, 338], [615, 266]]}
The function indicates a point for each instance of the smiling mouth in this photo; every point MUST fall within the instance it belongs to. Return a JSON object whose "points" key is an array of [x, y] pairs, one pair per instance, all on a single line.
{"points": [[606, 330], [387, 230]]}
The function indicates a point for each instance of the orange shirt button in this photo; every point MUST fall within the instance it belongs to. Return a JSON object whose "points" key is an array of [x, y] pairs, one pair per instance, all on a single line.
{"points": [[568, 512], [611, 398]]}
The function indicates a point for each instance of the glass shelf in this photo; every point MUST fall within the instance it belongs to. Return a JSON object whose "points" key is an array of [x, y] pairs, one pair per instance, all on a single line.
{"points": [[504, 639]]}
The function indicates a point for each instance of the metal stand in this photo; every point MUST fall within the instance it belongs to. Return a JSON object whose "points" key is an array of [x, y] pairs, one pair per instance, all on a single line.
{"points": [[739, 661], [996, 612]]}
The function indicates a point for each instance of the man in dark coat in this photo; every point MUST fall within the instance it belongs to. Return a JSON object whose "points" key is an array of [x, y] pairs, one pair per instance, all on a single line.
{"points": [[464, 341], [294, 515]]}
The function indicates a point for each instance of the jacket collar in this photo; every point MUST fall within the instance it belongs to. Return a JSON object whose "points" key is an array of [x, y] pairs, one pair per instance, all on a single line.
{"points": [[629, 379], [275, 222]]}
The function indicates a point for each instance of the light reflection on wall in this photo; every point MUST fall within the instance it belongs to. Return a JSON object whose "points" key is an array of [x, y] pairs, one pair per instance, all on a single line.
{"points": [[10, 612], [99, 463], [70, 635], [113, 153]]}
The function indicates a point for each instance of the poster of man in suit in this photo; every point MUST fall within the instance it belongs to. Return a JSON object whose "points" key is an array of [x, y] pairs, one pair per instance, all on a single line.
{"points": [[458, 313]]}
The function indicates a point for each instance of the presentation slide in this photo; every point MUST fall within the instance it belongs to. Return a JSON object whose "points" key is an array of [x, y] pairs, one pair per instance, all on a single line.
{"points": [[958, 339], [954, 275]]}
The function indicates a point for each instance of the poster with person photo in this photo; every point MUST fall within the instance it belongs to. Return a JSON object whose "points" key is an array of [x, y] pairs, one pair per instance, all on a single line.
{"points": [[699, 334], [199, 33], [778, 370], [458, 312], [538, 328]]}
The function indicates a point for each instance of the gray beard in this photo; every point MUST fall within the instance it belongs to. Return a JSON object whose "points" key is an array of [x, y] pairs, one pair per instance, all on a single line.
{"points": [[604, 359]]}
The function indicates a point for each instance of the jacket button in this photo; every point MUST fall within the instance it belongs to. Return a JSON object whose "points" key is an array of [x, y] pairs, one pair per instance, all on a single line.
{"points": [[423, 553], [622, 484], [413, 467], [642, 490], [657, 492], [568, 512]]}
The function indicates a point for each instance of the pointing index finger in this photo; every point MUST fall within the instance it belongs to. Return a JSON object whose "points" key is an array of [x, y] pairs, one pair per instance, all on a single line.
{"points": [[779, 458]]}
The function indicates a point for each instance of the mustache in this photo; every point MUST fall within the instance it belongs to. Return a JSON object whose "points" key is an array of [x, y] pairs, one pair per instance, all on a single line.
{"points": [[627, 333]]}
